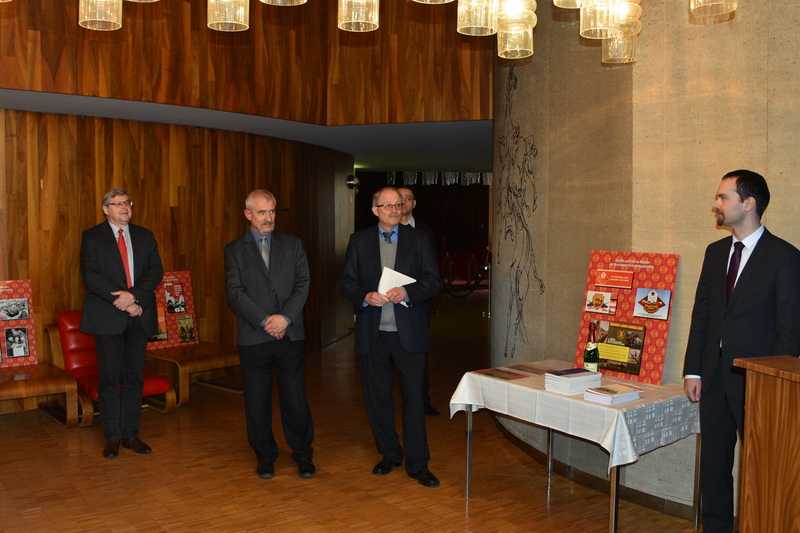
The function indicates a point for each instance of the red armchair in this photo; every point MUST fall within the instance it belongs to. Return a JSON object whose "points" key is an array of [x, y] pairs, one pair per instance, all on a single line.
{"points": [[74, 351]]}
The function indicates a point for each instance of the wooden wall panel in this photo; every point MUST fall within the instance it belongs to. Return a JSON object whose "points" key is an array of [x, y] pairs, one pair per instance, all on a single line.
{"points": [[293, 63], [188, 185]]}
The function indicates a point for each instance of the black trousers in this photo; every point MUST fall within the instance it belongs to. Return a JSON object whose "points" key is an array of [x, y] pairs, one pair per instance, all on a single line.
{"points": [[287, 360], [720, 418], [377, 379], [120, 360]]}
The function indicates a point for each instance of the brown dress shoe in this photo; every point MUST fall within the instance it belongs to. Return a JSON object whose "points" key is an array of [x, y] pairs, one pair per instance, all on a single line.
{"points": [[111, 450], [136, 445]]}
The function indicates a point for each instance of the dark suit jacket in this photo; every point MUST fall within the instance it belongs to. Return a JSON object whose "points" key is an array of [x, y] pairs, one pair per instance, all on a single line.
{"points": [[255, 293], [422, 226], [362, 272], [103, 273], [762, 318]]}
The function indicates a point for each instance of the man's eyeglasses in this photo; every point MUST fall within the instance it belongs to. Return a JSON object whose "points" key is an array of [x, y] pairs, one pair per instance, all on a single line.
{"points": [[129, 203], [390, 206]]}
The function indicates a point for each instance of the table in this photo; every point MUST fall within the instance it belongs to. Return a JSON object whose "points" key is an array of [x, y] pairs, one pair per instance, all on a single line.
{"points": [[42, 380], [661, 416], [191, 358]]}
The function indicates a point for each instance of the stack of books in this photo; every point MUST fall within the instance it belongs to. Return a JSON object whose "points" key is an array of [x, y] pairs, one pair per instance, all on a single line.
{"points": [[611, 394], [571, 381]]}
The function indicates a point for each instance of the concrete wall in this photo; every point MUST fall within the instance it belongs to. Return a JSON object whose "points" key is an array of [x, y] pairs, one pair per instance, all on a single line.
{"points": [[629, 158]]}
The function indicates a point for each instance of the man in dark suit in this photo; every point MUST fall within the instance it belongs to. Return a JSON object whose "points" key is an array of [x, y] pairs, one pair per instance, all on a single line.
{"points": [[267, 282], [407, 219], [121, 270], [760, 316], [392, 331]]}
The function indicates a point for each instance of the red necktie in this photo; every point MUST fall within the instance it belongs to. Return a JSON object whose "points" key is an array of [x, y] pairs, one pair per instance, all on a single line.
{"points": [[123, 251], [733, 267]]}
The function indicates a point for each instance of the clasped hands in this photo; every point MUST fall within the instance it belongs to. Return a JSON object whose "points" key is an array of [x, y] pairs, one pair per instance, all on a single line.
{"points": [[127, 302], [276, 326], [394, 295]]}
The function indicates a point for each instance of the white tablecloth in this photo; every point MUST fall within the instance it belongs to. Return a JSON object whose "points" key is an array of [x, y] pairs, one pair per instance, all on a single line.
{"points": [[661, 416]]}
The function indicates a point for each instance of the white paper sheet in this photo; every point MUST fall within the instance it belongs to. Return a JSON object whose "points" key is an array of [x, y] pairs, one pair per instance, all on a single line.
{"points": [[391, 279]]}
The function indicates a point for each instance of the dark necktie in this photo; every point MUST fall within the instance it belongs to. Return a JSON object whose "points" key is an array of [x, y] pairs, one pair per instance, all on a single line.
{"points": [[123, 251], [387, 236], [265, 250], [733, 267]]}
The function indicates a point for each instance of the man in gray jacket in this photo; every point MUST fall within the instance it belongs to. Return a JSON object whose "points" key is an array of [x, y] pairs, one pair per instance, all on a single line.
{"points": [[267, 283]]}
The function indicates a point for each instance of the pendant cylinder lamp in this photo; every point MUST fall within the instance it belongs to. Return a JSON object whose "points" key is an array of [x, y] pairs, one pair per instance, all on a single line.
{"points": [[101, 15], [515, 22], [712, 8], [358, 15], [597, 19], [515, 44], [228, 15], [567, 4], [283, 2], [477, 17]]}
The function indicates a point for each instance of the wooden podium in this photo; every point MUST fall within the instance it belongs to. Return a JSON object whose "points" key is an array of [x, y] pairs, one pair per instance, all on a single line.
{"points": [[770, 493]]}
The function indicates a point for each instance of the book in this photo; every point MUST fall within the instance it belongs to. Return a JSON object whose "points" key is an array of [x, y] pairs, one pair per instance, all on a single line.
{"points": [[612, 394], [571, 381]]}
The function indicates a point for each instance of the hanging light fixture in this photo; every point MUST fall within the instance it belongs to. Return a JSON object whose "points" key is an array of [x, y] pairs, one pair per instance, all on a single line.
{"points": [[358, 15], [712, 8], [228, 15], [621, 48], [567, 4], [434, 1], [101, 15], [283, 2], [597, 19], [477, 17], [515, 22]]}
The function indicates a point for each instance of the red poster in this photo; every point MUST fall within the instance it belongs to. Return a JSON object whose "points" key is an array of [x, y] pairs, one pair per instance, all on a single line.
{"points": [[176, 322], [633, 316], [17, 334]]}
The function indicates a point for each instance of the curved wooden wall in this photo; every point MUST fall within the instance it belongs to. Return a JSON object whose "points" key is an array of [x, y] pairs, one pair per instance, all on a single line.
{"points": [[188, 185], [293, 63]]}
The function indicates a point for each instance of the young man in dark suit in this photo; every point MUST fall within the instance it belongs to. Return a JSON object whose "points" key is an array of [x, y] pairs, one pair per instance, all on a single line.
{"points": [[407, 218], [121, 270], [267, 282], [392, 331], [747, 305]]}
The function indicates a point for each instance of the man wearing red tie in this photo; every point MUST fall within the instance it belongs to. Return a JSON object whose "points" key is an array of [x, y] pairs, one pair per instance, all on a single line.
{"points": [[121, 270]]}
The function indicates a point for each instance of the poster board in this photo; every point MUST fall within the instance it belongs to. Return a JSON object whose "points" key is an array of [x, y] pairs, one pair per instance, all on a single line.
{"points": [[17, 332], [175, 306], [629, 295]]}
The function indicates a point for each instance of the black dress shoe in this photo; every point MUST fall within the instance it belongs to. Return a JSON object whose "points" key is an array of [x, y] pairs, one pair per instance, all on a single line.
{"points": [[425, 478], [431, 410], [265, 470], [111, 450], [306, 468], [136, 445], [384, 467]]}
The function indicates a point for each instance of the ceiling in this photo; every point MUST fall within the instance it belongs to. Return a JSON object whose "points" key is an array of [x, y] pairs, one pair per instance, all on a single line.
{"points": [[462, 146]]}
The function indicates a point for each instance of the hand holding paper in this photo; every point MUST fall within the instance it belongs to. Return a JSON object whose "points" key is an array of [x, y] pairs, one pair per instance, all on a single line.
{"points": [[392, 278]]}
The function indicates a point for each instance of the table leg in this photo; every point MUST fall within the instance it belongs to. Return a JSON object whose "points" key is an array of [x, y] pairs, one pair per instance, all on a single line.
{"points": [[469, 450], [550, 437], [613, 498], [696, 498]]}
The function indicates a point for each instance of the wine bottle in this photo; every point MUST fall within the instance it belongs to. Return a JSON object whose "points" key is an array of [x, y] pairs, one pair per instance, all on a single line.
{"points": [[591, 355]]}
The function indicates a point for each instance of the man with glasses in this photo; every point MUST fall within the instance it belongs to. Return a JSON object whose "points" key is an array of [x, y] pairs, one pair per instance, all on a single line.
{"points": [[121, 270], [392, 331]]}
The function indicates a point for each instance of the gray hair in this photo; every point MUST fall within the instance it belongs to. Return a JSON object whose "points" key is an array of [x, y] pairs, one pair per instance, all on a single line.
{"points": [[114, 192], [248, 202]]}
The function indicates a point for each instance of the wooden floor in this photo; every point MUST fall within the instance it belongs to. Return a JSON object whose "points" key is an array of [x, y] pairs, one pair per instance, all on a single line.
{"points": [[201, 475]]}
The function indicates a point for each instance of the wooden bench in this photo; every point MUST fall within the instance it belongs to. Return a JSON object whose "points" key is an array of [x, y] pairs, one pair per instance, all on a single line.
{"points": [[41, 381], [193, 358]]}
